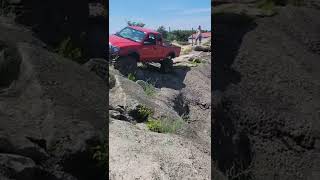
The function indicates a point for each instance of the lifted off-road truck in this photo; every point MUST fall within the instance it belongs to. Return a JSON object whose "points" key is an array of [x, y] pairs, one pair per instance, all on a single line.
{"points": [[136, 44]]}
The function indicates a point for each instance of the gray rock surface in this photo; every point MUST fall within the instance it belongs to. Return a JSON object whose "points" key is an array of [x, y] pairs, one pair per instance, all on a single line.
{"points": [[139, 153], [47, 111], [18, 167], [131, 95], [267, 80]]}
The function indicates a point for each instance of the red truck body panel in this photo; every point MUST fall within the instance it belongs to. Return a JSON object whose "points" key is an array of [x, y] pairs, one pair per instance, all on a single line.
{"points": [[146, 53]]}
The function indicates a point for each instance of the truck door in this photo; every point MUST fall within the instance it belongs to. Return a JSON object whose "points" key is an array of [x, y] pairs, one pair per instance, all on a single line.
{"points": [[160, 47], [149, 48]]}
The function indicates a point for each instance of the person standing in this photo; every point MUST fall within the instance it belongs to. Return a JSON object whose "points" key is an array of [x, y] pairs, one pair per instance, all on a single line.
{"points": [[198, 35]]}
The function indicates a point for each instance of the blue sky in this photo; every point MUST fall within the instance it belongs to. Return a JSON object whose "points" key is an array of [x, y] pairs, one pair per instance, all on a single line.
{"points": [[176, 14]]}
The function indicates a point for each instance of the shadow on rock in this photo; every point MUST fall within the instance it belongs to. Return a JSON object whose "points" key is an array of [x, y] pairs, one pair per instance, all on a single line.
{"points": [[153, 75], [229, 32], [232, 148]]}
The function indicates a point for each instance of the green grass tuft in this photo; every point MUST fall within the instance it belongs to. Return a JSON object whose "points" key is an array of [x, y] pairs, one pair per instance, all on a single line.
{"points": [[100, 153], [67, 49], [267, 5], [144, 112], [131, 77], [164, 125], [149, 89]]}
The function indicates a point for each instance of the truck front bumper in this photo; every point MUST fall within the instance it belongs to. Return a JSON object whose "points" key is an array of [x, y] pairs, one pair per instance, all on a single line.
{"points": [[113, 52]]}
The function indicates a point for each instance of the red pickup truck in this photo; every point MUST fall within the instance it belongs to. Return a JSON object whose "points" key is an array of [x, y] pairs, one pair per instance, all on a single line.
{"points": [[136, 44]]}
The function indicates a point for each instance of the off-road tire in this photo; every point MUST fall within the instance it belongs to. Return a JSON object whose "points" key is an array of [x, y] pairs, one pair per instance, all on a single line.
{"points": [[126, 65], [167, 65]]}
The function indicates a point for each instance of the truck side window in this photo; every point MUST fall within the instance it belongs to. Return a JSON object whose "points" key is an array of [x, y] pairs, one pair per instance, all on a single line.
{"points": [[159, 39], [152, 39]]}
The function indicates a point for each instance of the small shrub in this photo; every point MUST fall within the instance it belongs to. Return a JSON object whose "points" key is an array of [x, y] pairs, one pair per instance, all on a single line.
{"points": [[267, 5], [196, 61], [141, 114], [131, 77], [164, 125], [100, 154], [67, 49], [144, 111], [149, 89]]}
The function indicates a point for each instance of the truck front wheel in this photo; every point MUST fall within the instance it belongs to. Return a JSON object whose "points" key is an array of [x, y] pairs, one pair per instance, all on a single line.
{"points": [[167, 65], [126, 65]]}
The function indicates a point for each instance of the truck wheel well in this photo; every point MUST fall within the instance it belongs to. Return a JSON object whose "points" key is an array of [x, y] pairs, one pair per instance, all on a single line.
{"points": [[134, 55], [172, 55]]}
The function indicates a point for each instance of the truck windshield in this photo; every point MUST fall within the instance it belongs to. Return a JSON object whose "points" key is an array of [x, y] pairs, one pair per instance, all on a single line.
{"points": [[131, 34]]}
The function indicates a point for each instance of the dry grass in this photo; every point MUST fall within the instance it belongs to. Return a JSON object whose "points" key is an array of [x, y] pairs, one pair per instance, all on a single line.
{"points": [[185, 49]]}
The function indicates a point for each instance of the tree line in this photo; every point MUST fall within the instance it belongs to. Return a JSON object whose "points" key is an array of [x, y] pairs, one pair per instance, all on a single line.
{"points": [[178, 35]]}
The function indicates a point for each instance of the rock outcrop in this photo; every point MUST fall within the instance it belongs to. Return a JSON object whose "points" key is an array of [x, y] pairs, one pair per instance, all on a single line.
{"points": [[184, 95], [49, 118], [266, 98]]}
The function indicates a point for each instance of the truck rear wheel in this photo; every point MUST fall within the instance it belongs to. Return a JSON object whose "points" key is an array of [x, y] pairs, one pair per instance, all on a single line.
{"points": [[126, 65], [167, 65]]}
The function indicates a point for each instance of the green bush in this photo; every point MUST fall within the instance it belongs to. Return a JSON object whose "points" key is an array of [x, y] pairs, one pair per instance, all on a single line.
{"points": [[100, 154], [164, 125], [131, 77], [150, 90], [144, 111], [163, 31], [196, 61], [67, 49], [267, 5], [180, 35]]}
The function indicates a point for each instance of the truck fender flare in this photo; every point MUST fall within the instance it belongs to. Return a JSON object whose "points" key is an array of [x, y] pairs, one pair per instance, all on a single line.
{"points": [[172, 54]]}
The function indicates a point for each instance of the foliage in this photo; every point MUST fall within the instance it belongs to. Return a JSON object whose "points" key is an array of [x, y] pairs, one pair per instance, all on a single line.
{"points": [[133, 23], [131, 77], [149, 89], [144, 111], [267, 5], [164, 125], [100, 154], [163, 31], [196, 61], [180, 35], [67, 49]]}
